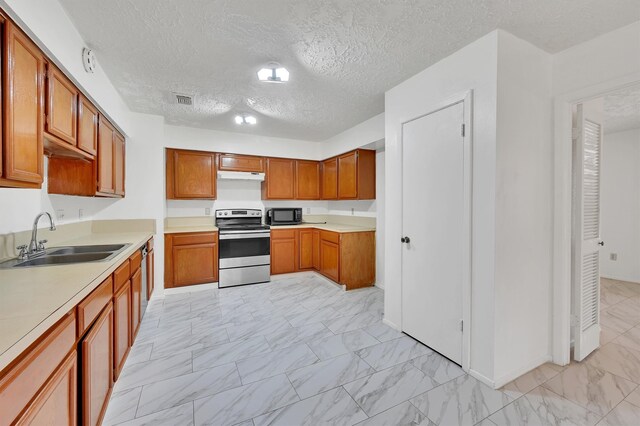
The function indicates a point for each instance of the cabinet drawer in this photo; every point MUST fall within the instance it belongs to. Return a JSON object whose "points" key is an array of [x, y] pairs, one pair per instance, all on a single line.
{"points": [[283, 234], [92, 305], [135, 261], [21, 383], [333, 237], [188, 239], [121, 275]]}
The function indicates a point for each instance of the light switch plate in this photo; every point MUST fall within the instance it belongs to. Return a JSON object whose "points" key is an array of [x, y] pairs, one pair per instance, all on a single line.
{"points": [[613, 256]]}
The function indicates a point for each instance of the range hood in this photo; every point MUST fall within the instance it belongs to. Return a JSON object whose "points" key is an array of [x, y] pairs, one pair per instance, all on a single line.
{"points": [[240, 175]]}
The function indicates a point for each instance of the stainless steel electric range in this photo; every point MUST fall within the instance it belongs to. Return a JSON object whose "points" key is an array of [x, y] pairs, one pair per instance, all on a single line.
{"points": [[244, 247]]}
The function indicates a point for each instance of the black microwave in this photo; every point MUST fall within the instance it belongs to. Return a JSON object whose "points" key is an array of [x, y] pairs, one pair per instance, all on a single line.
{"points": [[284, 216]]}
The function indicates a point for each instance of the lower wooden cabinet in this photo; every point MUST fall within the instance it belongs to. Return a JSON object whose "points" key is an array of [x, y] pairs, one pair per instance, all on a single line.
{"points": [[190, 258], [56, 404], [121, 327], [136, 300], [306, 249], [346, 258], [96, 368], [330, 260], [283, 251]]}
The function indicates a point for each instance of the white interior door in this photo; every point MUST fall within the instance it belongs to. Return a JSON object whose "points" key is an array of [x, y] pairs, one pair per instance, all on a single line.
{"points": [[586, 234], [433, 220]]}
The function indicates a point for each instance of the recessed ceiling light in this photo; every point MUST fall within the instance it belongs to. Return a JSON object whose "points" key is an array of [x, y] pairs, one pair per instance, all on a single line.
{"points": [[273, 73], [245, 119]]}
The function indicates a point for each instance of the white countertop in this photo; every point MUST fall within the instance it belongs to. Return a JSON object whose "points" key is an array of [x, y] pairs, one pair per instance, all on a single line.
{"points": [[34, 299], [333, 227]]}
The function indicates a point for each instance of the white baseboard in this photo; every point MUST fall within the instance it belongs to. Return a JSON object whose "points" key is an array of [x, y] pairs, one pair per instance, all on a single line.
{"points": [[390, 324], [506, 378], [484, 379]]}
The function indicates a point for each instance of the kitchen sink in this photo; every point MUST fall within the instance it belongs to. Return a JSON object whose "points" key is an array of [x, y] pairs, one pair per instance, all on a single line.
{"points": [[68, 255], [56, 251]]}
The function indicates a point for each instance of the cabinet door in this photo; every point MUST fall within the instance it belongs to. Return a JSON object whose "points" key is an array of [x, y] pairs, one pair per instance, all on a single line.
{"points": [[136, 294], [316, 250], [329, 259], [56, 402], [307, 180], [348, 175], [87, 126], [23, 69], [240, 163], [62, 107], [329, 175], [283, 256], [280, 179], [150, 274], [118, 163], [97, 368], [194, 175], [306, 249], [105, 157], [194, 264], [121, 327]]}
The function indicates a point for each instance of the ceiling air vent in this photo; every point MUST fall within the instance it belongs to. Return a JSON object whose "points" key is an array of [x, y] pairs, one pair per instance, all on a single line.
{"points": [[184, 99]]}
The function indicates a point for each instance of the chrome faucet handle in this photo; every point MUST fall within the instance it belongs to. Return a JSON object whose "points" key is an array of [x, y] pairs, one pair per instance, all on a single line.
{"points": [[23, 251], [41, 244]]}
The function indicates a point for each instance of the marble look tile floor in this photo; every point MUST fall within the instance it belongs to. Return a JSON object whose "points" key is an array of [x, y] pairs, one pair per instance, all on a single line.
{"points": [[300, 351]]}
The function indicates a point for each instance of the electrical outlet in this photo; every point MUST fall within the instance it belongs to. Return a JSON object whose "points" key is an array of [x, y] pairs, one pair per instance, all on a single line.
{"points": [[308, 210], [207, 211], [60, 214], [352, 211], [80, 213], [613, 256]]}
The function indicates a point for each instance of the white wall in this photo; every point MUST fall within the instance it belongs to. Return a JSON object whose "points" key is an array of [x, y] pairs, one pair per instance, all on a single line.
{"points": [[524, 199], [474, 67], [620, 205], [365, 133]]}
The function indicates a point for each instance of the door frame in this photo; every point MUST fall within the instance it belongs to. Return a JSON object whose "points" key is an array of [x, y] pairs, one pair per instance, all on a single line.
{"points": [[563, 208], [466, 98]]}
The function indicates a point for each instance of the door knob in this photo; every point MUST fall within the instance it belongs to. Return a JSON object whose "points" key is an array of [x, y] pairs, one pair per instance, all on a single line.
{"points": [[405, 240], [601, 243]]}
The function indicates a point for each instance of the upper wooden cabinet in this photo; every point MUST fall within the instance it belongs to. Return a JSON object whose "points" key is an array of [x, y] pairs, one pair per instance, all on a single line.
{"points": [[87, 126], [190, 175], [118, 163], [329, 183], [357, 175], [240, 163], [23, 67], [279, 183], [307, 180], [62, 107], [106, 183]]}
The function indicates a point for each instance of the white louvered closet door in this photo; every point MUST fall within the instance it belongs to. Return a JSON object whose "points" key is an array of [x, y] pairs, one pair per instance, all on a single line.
{"points": [[587, 243]]}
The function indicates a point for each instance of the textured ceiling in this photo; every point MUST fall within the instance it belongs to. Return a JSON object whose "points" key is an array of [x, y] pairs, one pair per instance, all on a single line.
{"points": [[342, 54], [622, 110]]}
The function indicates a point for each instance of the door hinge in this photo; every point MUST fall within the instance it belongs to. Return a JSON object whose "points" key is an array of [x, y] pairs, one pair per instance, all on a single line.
{"points": [[461, 325], [462, 130]]}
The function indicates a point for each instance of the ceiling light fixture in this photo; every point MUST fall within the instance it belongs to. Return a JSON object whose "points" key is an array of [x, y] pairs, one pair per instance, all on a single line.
{"points": [[245, 119], [273, 73]]}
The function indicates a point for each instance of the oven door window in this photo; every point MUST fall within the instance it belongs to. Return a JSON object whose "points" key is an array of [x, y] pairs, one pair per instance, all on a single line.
{"points": [[244, 247]]}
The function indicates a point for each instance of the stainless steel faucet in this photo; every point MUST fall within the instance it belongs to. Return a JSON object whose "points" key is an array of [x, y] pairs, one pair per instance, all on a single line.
{"points": [[35, 246]]}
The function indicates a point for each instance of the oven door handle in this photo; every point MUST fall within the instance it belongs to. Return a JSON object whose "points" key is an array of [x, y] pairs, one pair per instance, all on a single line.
{"points": [[243, 235]]}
